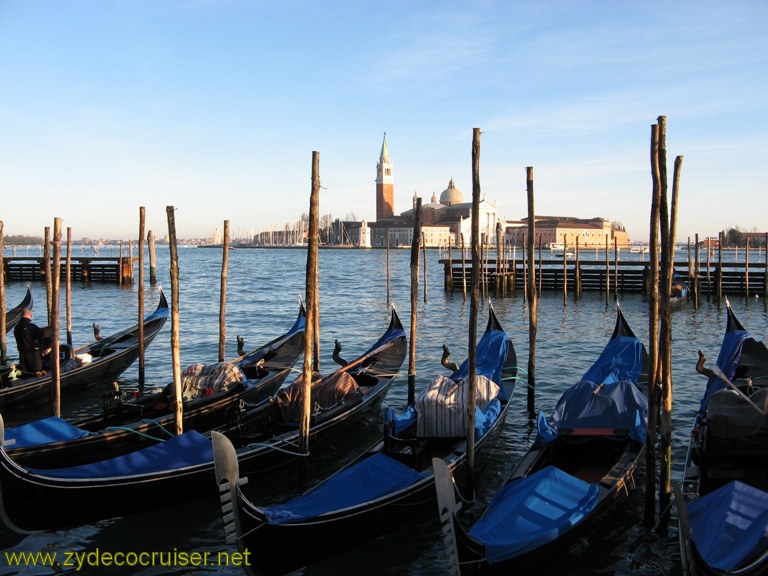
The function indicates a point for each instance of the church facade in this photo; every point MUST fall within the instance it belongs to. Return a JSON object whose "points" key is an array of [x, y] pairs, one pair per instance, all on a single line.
{"points": [[447, 220]]}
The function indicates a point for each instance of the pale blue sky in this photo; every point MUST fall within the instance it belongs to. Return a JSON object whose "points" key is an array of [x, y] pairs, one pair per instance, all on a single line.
{"points": [[215, 107]]}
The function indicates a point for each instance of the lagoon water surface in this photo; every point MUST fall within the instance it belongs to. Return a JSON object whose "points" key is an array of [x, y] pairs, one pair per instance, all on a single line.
{"points": [[262, 301]]}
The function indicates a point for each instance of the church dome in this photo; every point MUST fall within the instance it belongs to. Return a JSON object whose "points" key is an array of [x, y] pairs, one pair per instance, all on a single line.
{"points": [[451, 195]]}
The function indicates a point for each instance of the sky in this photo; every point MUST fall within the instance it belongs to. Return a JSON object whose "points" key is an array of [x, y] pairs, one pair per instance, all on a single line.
{"points": [[214, 107]]}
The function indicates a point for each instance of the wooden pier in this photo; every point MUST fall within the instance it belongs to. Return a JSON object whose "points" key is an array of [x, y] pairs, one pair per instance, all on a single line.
{"points": [[114, 269], [736, 278]]}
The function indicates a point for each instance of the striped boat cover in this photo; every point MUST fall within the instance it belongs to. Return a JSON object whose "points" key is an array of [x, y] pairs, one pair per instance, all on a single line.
{"points": [[326, 393], [442, 409], [200, 380]]}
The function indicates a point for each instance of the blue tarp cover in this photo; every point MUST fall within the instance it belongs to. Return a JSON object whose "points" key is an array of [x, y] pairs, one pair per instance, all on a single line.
{"points": [[533, 511], [730, 525], [727, 361], [369, 479], [43, 431], [621, 359], [620, 405], [188, 449], [491, 354]]}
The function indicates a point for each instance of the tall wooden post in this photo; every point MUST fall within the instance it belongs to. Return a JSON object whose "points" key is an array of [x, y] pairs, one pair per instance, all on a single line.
{"points": [[152, 258], [746, 270], [414, 306], [55, 285], [765, 268], [607, 273], [499, 277], [565, 270], [450, 265], [469, 488], [721, 237], [709, 269], [142, 364], [120, 265], [577, 271], [311, 298], [388, 271], [533, 300], [665, 486], [463, 269], [615, 269], [526, 260], [175, 348], [68, 284], [223, 294], [424, 254], [540, 271], [3, 337], [696, 272], [47, 271], [653, 331]]}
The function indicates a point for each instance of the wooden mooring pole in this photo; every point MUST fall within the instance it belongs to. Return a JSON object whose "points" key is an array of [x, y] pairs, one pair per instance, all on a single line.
{"points": [[54, 354], [175, 348], [746, 270], [565, 271], [577, 272], [3, 337], [424, 254], [463, 269], [532, 296], [721, 237], [310, 296], [47, 271], [142, 365], [223, 294], [765, 272], [607, 274], [469, 487], [152, 258], [388, 272], [450, 266], [653, 331], [414, 305], [68, 281]]}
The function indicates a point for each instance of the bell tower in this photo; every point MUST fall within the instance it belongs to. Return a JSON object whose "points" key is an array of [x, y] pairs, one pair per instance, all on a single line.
{"points": [[385, 185]]}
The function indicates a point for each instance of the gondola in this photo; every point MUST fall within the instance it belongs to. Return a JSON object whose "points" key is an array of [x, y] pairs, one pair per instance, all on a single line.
{"points": [[722, 499], [96, 364], [387, 485], [582, 461], [178, 469], [678, 294], [13, 315], [212, 395]]}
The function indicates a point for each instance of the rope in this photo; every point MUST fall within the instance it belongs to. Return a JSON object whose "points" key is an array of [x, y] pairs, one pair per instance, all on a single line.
{"points": [[276, 447], [145, 435]]}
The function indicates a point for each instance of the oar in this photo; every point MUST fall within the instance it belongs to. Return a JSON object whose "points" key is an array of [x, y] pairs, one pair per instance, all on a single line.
{"points": [[724, 378], [446, 508]]}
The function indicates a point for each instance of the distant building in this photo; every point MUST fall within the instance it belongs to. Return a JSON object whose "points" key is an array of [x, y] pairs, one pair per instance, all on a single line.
{"points": [[558, 232], [443, 221], [385, 184]]}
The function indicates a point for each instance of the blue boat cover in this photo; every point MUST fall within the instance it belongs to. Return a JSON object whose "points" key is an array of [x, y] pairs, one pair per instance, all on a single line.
{"points": [[533, 511], [491, 354], [188, 449], [40, 432], [620, 405], [730, 525], [727, 361], [621, 359], [369, 479]]}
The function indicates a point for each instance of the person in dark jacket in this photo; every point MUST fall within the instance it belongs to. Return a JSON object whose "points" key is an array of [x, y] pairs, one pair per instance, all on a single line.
{"points": [[29, 341]]}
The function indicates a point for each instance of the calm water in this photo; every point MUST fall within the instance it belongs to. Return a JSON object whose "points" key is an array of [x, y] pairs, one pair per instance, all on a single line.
{"points": [[262, 301]]}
